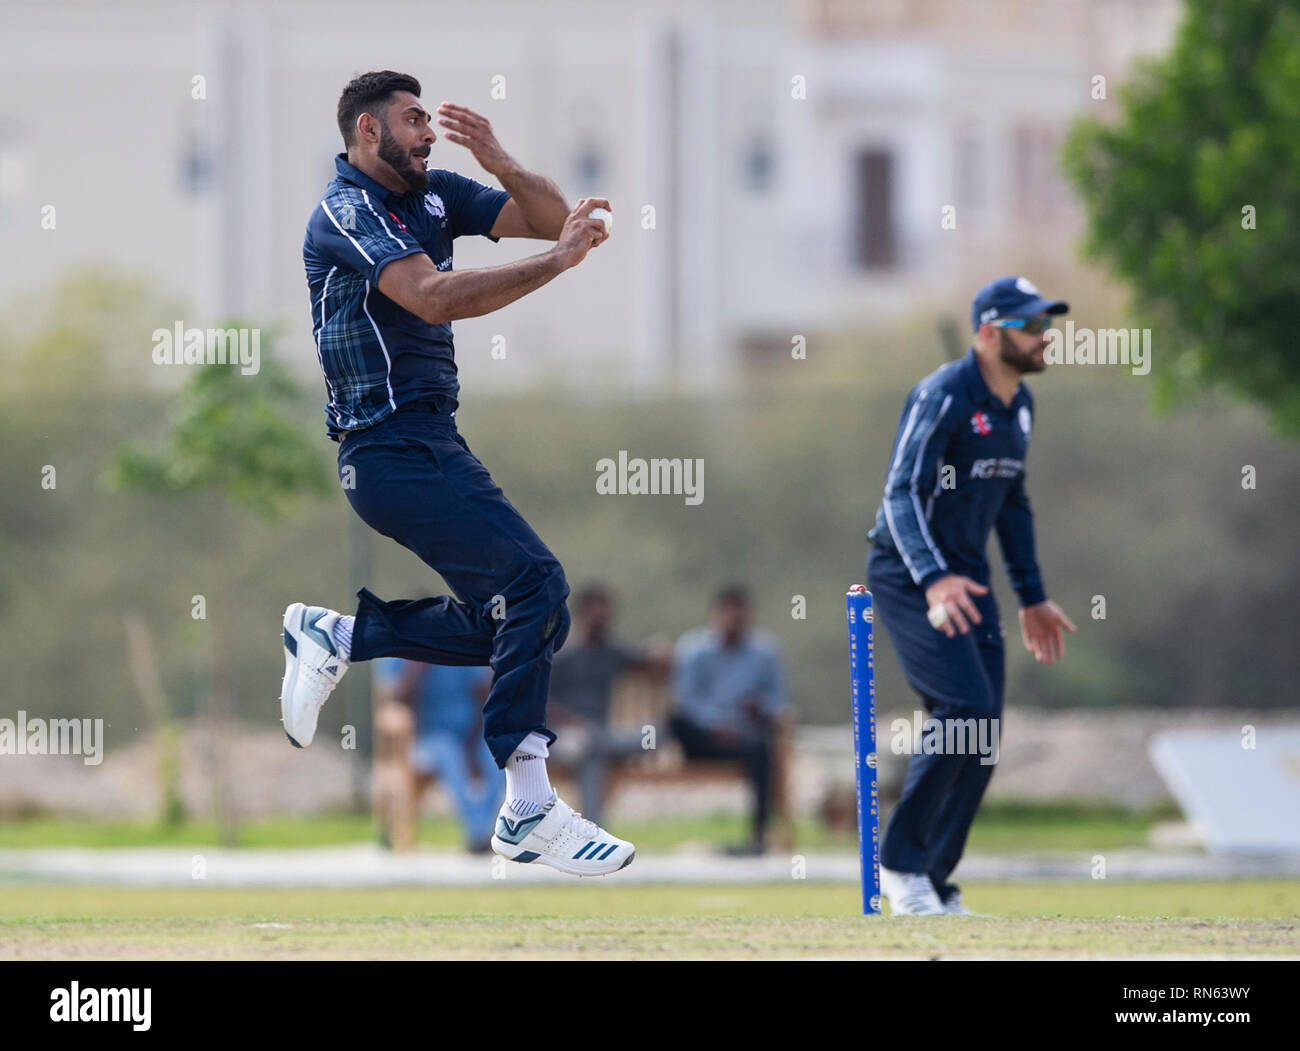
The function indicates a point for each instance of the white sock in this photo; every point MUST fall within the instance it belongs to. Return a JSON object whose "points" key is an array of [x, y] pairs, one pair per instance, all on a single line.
{"points": [[528, 789], [342, 636]]}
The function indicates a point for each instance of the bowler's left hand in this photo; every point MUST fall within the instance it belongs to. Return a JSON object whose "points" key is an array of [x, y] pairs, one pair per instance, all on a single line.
{"points": [[1040, 628], [475, 133]]}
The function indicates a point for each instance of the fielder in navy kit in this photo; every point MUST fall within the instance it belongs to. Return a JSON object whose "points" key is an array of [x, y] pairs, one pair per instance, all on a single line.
{"points": [[378, 254], [957, 472]]}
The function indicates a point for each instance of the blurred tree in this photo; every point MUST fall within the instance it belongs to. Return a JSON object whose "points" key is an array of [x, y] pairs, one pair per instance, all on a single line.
{"points": [[235, 440], [82, 335], [234, 434], [1192, 198], [162, 718]]}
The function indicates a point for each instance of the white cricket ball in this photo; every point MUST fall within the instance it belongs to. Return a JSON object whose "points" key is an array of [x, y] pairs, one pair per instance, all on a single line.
{"points": [[606, 216]]}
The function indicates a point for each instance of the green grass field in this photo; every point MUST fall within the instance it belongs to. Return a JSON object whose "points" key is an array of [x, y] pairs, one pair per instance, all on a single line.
{"points": [[603, 920]]}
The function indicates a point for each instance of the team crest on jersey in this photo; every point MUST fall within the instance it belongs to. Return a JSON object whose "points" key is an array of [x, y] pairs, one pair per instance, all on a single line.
{"points": [[979, 423], [435, 206], [1026, 421]]}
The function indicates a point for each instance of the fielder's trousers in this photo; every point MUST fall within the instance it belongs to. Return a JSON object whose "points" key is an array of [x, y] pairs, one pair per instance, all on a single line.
{"points": [[959, 678], [415, 480]]}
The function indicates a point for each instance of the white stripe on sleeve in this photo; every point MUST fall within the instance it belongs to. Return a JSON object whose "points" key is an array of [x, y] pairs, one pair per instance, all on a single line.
{"points": [[340, 229]]}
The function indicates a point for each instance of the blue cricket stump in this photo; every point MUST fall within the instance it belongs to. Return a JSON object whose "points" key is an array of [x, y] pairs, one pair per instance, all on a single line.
{"points": [[862, 678]]}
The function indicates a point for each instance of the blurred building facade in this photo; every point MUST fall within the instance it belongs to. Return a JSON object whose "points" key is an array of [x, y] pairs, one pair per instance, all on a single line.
{"points": [[777, 167]]}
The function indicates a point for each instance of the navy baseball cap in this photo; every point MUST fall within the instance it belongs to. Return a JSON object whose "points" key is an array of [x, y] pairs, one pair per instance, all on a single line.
{"points": [[1011, 297]]}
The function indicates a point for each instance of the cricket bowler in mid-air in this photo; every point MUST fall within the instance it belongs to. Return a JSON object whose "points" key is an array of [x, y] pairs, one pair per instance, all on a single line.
{"points": [[957, 472], [378, 253]]}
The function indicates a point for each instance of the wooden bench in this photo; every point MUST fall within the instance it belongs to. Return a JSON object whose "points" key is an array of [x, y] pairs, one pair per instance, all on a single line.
{"points": [[638, 702]]}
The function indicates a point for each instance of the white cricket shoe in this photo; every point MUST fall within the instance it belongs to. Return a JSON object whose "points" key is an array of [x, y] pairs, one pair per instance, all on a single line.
{"points": [[562, 838], [910, 893], [953, 906], [312, 668]]}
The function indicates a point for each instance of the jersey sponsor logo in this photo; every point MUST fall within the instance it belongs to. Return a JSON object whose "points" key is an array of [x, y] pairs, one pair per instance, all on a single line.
{"points": [[433, 204], [997, 467], [979, 423]]}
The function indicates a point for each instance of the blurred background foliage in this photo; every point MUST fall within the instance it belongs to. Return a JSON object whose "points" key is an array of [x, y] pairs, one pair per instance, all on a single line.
{"points": [[1204, 134]]}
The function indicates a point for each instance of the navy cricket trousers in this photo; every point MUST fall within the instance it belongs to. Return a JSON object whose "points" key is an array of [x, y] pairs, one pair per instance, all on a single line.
{"points": [[959, 678], [416, 481]]}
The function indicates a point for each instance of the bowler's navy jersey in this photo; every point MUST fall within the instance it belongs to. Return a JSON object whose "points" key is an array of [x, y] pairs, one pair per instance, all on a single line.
{"points": [[952, 420], [375, 354]]}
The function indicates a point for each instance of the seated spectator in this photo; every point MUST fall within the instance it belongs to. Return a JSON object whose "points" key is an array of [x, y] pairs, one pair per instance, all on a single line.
{"points": [[730, 692], [449, 745], [582, 685]]}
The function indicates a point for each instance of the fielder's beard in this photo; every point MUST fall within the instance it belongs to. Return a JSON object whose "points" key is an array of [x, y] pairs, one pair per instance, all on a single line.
{"points": [[409, 169], [1021, 360]]}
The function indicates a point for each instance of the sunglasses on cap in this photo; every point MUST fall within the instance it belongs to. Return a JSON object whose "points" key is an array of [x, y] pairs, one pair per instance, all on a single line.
{"points": [[1034, 326]]}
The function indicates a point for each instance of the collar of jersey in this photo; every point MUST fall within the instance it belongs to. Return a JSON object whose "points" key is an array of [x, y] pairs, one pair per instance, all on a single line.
{"points": [[363, 181], [979, 390]]}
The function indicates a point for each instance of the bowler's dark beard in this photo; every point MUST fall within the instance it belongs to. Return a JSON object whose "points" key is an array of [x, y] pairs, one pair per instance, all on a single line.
{"points": [[1021, 360], [409, 169]]}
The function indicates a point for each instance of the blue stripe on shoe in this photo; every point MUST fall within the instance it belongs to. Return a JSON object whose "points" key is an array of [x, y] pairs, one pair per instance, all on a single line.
{"points": [[290, 643], [319, 634], [527, 856], [517, 832], [583, 850], [607, 853]]}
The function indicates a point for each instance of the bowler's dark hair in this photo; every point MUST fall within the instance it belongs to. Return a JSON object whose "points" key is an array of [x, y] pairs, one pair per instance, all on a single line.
{"points": [[370, 93]]}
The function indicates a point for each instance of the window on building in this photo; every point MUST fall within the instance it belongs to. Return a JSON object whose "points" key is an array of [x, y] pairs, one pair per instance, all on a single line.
{"points": [[970, 190], [757, 154], [757, 163], [874, 240], [1038, 186], [589, 169], [197, 169]]}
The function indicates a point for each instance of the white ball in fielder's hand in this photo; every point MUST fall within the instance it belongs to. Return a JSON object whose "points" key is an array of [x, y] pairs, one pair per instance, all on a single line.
{"points": [[605, 215]]}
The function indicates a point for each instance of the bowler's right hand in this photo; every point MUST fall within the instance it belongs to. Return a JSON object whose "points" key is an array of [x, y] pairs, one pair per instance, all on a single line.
{"points": [[953, 593], [581, 234]]}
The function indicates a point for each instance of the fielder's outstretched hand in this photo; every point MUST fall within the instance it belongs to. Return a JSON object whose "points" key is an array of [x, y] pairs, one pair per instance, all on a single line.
{"points": [[1040, 628]]}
